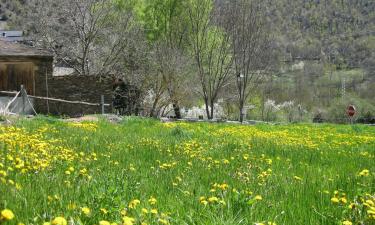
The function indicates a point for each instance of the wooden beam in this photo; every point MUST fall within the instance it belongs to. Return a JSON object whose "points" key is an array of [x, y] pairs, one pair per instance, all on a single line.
{"points": [[55, 99]]}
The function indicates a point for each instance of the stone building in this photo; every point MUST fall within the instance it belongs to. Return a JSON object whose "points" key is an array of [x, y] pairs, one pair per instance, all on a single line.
{"points": [[33, 68]]}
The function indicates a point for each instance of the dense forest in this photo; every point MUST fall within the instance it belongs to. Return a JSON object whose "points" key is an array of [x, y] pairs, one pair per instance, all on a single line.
{"points": [[240, 59]]}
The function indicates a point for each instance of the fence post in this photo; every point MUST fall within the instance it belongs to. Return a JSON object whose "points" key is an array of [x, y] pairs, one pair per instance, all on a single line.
{"points": [[23, 99], [102, 103]]}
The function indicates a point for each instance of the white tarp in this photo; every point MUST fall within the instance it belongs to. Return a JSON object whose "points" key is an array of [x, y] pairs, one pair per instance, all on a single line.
{"points": [[16, 106]]}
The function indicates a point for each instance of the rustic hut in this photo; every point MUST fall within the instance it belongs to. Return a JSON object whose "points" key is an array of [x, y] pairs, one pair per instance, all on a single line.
{"points": [[22, 65]]}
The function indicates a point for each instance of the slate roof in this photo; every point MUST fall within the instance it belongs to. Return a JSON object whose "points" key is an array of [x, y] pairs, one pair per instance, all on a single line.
{"points": [[12, 49]]}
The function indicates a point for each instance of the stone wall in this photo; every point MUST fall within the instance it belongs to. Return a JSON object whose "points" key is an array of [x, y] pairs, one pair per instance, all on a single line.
{"points": [[72, 88]]}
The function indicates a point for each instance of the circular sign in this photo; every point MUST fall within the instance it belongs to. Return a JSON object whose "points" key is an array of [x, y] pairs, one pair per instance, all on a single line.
{"points": [[351, 111]]}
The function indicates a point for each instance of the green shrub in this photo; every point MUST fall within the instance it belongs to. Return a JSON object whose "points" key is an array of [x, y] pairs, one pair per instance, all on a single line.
{"points": [[336, 113]]}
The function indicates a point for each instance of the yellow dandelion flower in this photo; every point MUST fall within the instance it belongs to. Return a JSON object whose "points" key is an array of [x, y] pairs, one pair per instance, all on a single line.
{"points": [[204, 202], [364, 173], [335, 200], [128, 220], [104, 211], [370, 202], [6, 214], [343, 200], [213, 199], [258, 198], [224, 186], [133, 204], [152, 201], [347, 222], [371, 211], [163, 221], [104, 222], [86, 211], [59, 221]]}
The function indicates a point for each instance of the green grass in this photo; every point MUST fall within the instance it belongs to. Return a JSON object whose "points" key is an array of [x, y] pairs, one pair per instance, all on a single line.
{"points": [[179, 163]]}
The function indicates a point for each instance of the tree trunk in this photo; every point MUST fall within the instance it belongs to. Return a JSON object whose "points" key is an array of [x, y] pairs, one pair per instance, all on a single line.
{"points": [[241, 110], [207, 108], [152, 112], [263, 103], [176, 109], [212, 110]]}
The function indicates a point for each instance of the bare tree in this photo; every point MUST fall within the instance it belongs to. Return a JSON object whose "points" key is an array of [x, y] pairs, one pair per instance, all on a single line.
{"points": [[170, 77], [246, 22], [87, 35], [211, 50]]}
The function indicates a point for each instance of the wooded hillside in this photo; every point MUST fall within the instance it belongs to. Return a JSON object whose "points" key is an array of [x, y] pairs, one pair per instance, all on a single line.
{"points": [[305, 57]]}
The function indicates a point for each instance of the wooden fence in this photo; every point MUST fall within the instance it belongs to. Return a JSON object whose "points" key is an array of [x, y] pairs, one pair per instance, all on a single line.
{"points": [[26, 100]]}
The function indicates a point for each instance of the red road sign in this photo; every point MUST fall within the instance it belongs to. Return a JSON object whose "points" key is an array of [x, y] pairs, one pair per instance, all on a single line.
{"points": [[351, 111]]}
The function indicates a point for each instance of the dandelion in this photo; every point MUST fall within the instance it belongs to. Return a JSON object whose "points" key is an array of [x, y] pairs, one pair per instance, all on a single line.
{"points": [[104, 222], [335, 200], [163, 221], [364, 173], [104, 211], [128, 220], [213, 199], [154, 211], [133, 204], [369, 202], [346, 222], [223, 186], [59, 221], [343, 200], [86, 211], [152, 201], [6, 214], [258, 198]]}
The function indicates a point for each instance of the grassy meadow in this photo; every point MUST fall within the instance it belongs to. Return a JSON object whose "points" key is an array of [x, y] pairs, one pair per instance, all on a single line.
{"points": [[145, 172]]}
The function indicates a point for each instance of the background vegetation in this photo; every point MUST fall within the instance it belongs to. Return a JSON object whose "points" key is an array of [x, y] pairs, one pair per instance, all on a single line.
{"points": [[318, 54]]}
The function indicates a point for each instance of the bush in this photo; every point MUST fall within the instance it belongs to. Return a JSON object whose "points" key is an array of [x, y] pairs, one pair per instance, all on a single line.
{"points": [[367, 118], [336, 113], [318, 117]]}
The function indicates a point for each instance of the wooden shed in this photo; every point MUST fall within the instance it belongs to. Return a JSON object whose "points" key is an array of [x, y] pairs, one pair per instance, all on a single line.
{"points": [[21, 64]]}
